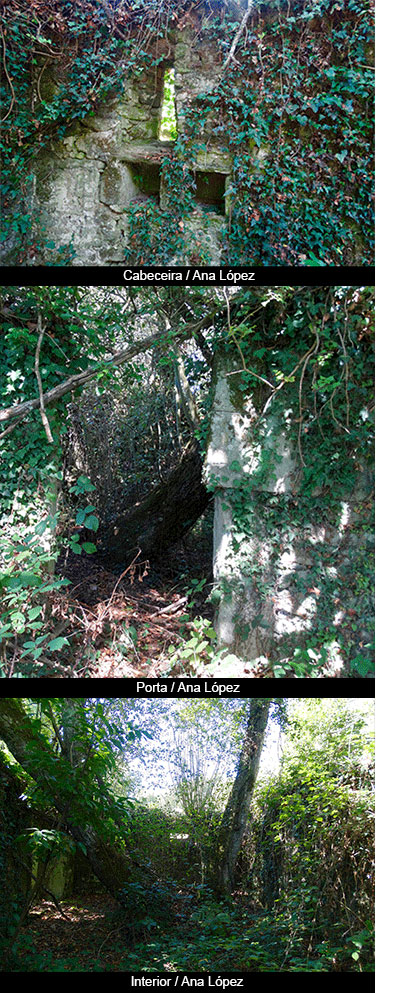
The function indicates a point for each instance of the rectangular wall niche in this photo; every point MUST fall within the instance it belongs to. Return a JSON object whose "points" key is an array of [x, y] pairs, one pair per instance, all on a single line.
{"points": [[210, 191], [146, 177]]}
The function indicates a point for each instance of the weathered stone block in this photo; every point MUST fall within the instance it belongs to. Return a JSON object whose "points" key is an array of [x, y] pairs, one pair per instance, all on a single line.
{"points": [[116, 185]]}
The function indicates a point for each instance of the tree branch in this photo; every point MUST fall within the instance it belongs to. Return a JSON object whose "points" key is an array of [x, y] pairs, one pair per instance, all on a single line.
{"points": [[238, 35], [44, 418], [23, 409], [188, 403]]}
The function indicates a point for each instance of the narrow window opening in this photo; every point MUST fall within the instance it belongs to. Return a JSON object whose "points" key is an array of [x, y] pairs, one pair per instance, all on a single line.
{"points": [[210, 191], [168, 120], [146, 177]]}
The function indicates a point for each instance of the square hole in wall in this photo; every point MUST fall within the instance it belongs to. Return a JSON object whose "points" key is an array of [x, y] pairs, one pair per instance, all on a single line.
{"points": [[210, 191], [146, 177]]}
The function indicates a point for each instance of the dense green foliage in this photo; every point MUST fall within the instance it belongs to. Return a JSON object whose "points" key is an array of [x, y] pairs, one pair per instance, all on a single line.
{"points": [[32, 468], [294, 109], [304, 356], [303, 895]]}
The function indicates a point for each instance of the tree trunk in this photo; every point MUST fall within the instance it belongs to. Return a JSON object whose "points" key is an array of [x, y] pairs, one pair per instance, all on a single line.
{"points": [[164, 517], [235, 817], [111, 866]]}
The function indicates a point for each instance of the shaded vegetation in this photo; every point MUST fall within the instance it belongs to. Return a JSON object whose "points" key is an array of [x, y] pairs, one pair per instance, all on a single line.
{"points": [[302, 892]]}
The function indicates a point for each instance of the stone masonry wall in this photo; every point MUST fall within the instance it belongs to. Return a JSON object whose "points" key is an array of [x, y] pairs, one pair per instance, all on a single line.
{"points": [[280, 588], [85, 183]]}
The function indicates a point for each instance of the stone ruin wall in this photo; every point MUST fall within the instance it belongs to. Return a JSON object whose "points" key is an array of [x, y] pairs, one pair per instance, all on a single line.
{"points": [[273, 587], [85, 183]]}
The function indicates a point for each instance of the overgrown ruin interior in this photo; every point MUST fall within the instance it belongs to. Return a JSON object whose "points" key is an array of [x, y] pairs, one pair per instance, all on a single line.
{"points": [[141, 870]]}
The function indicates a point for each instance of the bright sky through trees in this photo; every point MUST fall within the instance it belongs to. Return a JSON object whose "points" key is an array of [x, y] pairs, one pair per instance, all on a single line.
{"points": [[155, 778]]}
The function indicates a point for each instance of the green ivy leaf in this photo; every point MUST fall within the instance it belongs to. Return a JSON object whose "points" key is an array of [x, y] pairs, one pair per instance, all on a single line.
{"points": [[92, 522], [57, 644]]}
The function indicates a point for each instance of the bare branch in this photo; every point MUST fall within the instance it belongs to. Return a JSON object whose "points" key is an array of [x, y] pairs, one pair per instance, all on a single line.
{"points": [[21, 410], [74, 382], [238, 35], [44, 418]]}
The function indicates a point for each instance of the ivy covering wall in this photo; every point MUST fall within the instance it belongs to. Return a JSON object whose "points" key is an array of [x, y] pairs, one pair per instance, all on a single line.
{"points": [[291, 102]]}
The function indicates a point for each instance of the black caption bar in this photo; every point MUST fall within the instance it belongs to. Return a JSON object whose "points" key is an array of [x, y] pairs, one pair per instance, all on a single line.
{"points": [[187, 276], [225, 688], [287, 982]]}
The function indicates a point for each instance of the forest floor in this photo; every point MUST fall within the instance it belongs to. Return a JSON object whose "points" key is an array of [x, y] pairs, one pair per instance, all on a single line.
{"points": [[88, 934], [83, 940], [128, 621], [149, 620], [121, 623]]}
